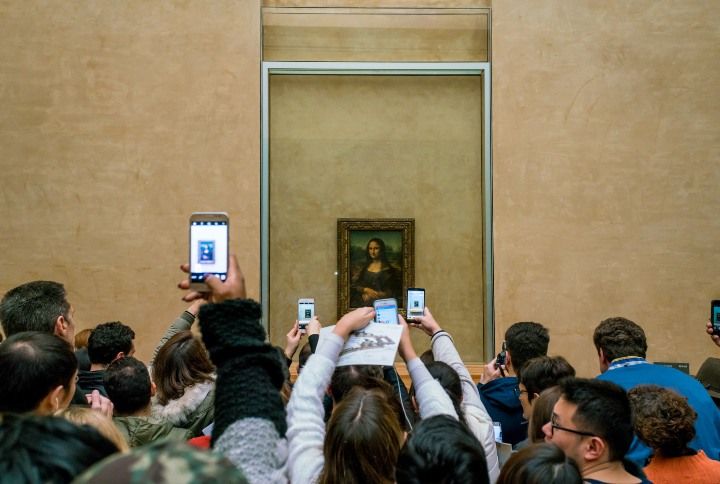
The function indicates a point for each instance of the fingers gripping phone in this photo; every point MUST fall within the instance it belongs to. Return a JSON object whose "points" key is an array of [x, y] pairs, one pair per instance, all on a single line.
{"points": [[415, 302], [306, 311], [209, 234], [386, 311], [500, 360], [715, 316]]}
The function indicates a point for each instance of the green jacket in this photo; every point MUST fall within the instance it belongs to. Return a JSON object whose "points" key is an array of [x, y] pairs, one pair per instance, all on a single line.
{"points": [[143, 430]]}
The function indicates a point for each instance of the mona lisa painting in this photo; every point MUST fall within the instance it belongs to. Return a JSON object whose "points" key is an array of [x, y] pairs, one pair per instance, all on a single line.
{"points": [[375, 261]]}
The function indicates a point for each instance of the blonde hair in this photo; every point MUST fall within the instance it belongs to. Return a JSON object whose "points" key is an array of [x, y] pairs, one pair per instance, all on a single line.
{"points": [[100, 422], [82, 337]]}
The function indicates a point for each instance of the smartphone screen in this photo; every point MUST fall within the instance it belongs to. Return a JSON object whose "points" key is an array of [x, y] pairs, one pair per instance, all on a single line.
{"points": [[208, 246], [306, 311], [415, 302], [386, 311], [715, 316]]}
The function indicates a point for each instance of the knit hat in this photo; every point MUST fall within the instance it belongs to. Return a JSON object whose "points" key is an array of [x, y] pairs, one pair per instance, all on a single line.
{"points": [[163, 461]]}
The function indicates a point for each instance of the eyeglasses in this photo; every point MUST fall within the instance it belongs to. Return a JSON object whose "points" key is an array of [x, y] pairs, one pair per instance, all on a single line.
{"points": [[555, 426], [518, 392]]}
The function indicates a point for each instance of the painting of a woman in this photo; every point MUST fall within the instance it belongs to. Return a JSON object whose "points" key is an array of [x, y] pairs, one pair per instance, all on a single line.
{"points": [[377, 279]]}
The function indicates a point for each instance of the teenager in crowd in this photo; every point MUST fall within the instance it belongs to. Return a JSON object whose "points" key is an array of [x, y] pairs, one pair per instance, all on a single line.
{"points": [[622, 347], [107, 343], [540, 464], [472, 408], [315, 456], [499, 386], [664, 421], [542, 410]]}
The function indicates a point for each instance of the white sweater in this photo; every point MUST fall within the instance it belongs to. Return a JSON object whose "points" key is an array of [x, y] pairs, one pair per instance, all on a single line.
{"points": [[476, 416], [306, 427]]}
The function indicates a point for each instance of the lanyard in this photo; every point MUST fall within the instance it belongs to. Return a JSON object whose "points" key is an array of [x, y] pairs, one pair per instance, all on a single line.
{"points": [[627, 361]]}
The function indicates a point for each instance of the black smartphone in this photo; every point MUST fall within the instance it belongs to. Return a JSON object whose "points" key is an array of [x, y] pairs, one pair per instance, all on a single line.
{"points": [[715, 315], [415, 302], [501, 357]]}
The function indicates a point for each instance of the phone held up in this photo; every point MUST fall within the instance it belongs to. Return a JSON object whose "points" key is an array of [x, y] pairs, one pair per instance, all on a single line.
{"points": [[415, 302], [209, 234], [306, 311], [715, 316], [386, 311], [500, 360]]}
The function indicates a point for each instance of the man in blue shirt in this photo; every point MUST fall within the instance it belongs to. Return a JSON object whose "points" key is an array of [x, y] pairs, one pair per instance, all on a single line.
{"points": [[621, 347]]}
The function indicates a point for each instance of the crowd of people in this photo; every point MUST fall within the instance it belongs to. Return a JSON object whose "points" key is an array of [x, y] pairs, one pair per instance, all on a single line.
{"points": [[221, 407]]}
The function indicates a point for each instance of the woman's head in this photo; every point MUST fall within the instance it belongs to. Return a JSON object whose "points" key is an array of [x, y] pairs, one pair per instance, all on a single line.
{"points": [[180, 363], [450, 381], [441, 449], [542, 413], [538, 464], [363, 439], [662, 419], [375, 250], [100, 422]]}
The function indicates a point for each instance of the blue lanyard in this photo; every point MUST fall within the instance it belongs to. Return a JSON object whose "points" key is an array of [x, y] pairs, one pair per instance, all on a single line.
{"points": [[627, 361]]}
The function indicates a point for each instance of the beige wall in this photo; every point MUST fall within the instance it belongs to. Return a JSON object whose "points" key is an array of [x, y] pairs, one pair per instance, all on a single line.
{"points": [[606, 174], [377, 147], [119, 119]]}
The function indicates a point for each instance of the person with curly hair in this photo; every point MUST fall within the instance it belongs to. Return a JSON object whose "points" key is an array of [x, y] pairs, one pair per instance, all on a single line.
{"points": [[664, 420]]}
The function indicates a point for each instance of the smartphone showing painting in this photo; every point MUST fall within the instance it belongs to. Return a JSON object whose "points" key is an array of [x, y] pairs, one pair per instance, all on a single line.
{"points": [[386, 311], [209, 232], [715, 316], [415, 302], [306, 311]]}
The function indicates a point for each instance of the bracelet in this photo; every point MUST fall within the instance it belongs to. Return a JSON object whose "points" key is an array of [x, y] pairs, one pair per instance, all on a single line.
{"points": [[438, 332]]}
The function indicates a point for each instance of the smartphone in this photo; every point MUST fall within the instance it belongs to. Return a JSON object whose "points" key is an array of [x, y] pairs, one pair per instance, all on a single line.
{"points": [[386, 311], [209, 234], [415, 302], [501, 357], [306, 311], [715, 316]]}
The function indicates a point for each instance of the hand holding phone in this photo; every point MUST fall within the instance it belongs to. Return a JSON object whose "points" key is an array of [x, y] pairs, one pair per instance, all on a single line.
{"points": [[500, 360], [306, 311], [415, 302], [715, 316], [208, 248], [386, 311]]}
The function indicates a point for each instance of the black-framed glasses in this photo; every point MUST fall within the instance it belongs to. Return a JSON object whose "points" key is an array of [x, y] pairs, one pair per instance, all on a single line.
{"points": [[518, 392], [555, 426]]}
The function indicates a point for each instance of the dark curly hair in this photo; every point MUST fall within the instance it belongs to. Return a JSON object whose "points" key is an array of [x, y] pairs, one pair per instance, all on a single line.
{"points": [[620, 337], [109, 339], [663, 419], [526, 340]]}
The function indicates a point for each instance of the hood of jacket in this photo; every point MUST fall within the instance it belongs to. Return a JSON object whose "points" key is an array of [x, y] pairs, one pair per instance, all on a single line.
{"points": [[501, 394], [197, 399], [143, 430]]}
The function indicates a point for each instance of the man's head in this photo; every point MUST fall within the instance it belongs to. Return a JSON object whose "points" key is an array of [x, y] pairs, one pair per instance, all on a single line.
{"points": [[38, 306], [110, 341], [537, 375], [37, 373], [524, 341], [127, 383], [591, 422], [617, 338]]}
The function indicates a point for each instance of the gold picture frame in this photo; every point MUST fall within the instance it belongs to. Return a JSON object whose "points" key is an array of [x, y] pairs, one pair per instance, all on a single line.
{"points": [[376, 260]]}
